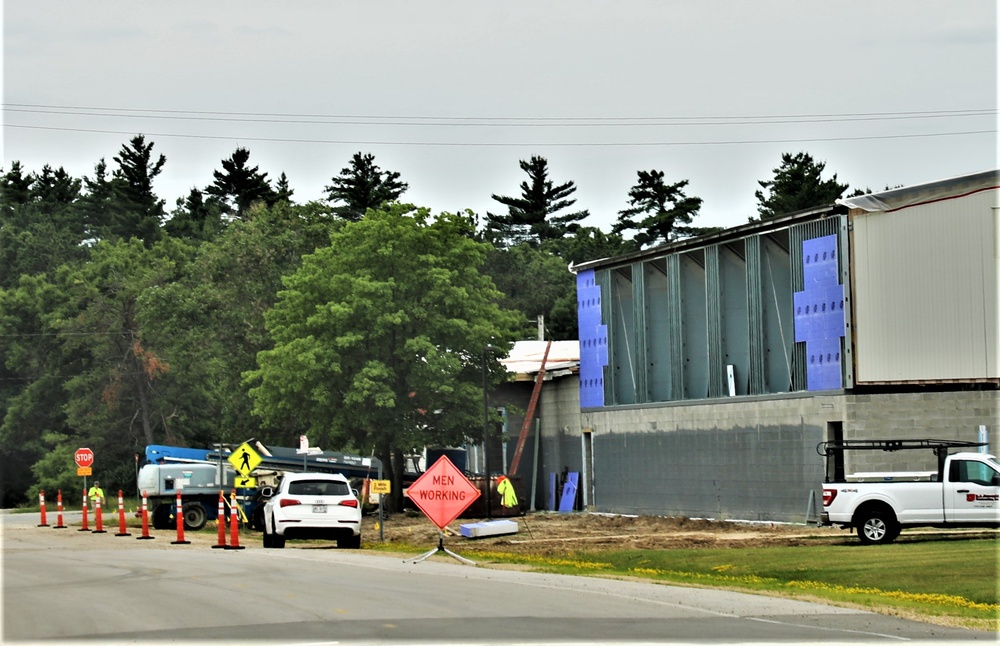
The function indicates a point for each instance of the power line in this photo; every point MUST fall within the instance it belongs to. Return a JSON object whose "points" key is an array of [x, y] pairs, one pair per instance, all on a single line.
{"points": [[491, 122], [507, 144], [819, 117]]}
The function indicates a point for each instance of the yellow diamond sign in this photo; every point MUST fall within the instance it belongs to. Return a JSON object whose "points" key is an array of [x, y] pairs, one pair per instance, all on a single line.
{"points": [[244, 459]]}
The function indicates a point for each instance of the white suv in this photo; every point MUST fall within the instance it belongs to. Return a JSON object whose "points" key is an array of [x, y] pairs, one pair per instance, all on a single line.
{"points": [[312, 505]]}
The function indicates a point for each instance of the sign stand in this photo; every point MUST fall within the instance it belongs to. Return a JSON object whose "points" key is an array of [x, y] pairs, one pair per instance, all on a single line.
{"points": [[440, 548], [442, 493]]}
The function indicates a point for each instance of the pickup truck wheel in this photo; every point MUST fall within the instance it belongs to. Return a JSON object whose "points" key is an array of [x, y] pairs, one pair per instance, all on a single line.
{"points": [[876, 528], [195, 516]]}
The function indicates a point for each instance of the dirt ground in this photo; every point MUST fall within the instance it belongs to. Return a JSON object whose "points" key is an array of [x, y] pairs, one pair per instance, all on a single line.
{"points": [[549, 533]]}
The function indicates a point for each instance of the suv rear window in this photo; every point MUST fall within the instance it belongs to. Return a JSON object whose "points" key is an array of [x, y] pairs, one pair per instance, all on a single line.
{"points": [[318, 488]]}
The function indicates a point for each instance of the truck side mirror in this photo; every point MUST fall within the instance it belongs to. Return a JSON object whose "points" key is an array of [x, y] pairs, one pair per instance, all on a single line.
{"points": [[267, 492]]}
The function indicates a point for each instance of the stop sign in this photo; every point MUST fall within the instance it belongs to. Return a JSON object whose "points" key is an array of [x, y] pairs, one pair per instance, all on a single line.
{"points": [[84, 458]]}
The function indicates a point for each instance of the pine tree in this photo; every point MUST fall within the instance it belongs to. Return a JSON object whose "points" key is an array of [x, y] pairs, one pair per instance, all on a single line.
{"points": [[532, 217], [283, 192], [362, 186], [659, 212], [238, 186], [797, 185], [139, 212], [195, 217], [96, 206]]}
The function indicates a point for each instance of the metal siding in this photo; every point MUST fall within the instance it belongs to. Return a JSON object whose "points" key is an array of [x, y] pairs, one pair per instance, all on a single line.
{"points": [[658, 355], [735, 314], [776, 298], [926, 280], [623, 337], [696, 325], [717, 386], [640, 349]]}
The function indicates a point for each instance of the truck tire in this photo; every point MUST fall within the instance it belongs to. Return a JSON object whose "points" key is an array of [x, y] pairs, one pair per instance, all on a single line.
{"points": [[161, 516], [195, 516], [876, 527]]}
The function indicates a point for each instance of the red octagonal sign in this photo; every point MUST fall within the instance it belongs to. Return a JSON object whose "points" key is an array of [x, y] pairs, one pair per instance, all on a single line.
{"points": [[442, 492], [84, 458]]}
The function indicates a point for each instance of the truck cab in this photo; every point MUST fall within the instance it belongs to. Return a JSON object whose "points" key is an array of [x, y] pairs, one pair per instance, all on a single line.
{"points": [[973, 487]]}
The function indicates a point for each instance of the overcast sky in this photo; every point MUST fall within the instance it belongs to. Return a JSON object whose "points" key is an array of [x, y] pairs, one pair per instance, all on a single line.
{"points": [[452, 94]]}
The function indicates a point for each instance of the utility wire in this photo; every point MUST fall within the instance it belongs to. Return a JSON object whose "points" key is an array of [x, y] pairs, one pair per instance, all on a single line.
{"points": [[492, 122], [507, 144], [712, 119]]}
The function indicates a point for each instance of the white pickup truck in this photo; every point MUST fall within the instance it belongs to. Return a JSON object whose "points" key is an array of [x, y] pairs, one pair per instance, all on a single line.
{"points": [[963, 492]]}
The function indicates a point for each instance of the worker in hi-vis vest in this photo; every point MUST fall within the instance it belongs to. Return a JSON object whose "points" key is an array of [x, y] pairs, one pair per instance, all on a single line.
{"points": [[508, 497], [96, 493]]}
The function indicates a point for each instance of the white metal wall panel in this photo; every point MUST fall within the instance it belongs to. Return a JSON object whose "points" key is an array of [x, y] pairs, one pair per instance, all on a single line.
{"points": [[926, 281]]}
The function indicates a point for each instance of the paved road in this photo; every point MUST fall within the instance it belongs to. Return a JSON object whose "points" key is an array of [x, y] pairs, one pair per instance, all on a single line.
{"points": [[71, 585]]}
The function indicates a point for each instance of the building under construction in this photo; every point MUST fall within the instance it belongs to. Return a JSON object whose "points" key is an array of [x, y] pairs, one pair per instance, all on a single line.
{"points": [[711, 368]]}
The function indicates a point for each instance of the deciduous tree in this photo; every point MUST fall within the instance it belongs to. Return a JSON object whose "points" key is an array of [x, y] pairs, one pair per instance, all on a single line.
{"points": [[378, 338]]}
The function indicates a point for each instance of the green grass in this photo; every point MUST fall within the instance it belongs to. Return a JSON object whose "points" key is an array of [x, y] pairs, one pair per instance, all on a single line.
{"points": [[950, 581]]}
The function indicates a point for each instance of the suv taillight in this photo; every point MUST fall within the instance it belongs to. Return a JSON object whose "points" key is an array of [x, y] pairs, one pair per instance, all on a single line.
{"points": [[348, 503], [828, 496], [288, 502]]}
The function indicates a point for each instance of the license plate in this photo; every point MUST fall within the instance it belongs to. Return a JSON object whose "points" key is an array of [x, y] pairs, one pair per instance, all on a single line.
{"points": [[319, 509]]}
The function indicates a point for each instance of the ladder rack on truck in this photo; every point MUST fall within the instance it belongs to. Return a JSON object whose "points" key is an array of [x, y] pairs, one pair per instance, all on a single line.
{"points": [[940, 447], [963, 492]]}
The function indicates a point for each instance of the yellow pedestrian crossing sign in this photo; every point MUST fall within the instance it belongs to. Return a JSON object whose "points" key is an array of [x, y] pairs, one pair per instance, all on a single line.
{"points": [[244, 482], [244, 459]]}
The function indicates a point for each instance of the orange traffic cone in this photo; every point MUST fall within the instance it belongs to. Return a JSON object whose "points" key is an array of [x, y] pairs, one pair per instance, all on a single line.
{"points": [[86, 525], [121, 516], [145, 520], [234, 522], [99, 517], [41, 505], [179, 518], [59, 509], [222, 522]]}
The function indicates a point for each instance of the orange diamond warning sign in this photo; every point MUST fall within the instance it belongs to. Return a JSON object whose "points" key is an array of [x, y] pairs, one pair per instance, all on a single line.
{"points": [[442, 492]]}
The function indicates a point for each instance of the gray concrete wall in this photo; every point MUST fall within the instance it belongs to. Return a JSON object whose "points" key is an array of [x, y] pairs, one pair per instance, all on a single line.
{"points": [[751, 459], [755, 459], [937, 415], [742, 458]]}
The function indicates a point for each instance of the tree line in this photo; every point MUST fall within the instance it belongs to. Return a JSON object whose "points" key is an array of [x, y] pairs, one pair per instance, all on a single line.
{"points": [[359, 320]]}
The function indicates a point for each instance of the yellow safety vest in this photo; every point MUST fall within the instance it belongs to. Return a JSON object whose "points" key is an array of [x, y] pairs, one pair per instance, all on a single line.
{"points": [[506, 490]]}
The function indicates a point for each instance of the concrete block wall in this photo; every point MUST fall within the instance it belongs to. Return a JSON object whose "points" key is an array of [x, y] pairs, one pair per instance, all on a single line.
{"points": [[935, 415], [747, 459], [741, 458]]}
